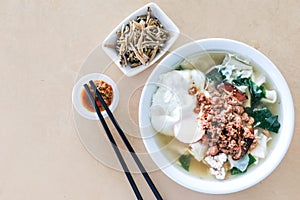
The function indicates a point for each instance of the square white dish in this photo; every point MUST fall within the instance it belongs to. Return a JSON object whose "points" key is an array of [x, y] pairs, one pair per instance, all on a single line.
{"points": [[168, 24]]}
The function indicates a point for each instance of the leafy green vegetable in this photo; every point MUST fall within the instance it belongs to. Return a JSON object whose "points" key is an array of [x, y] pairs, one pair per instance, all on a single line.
{"points": [[272, 124], [179, 68], [235, 171], [252, 160], [241, 81], [215, 75], [264, 119], [185, 161], [262, 116], [257, 92]]}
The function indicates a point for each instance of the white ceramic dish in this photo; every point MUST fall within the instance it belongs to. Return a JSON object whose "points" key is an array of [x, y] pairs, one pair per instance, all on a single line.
{"points": [[280, 143], [78, 87], [166, 22]]}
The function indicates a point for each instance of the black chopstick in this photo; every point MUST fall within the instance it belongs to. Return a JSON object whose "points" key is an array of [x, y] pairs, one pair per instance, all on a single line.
{"points": [[114, 144], [124, 138]]}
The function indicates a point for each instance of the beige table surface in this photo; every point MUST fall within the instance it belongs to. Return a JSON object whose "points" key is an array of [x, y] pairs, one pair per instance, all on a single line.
{"points": [[43, 45]]}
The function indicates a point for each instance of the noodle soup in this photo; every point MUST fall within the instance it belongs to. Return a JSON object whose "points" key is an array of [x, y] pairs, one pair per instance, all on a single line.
{"points": [[233, 109]]}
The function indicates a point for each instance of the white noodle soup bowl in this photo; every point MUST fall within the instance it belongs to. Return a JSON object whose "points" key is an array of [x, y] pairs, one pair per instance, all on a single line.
{"points": [[280, 141]]}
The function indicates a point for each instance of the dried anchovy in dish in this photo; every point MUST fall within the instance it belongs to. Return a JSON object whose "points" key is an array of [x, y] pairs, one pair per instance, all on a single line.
{"points": [[140, 40]]}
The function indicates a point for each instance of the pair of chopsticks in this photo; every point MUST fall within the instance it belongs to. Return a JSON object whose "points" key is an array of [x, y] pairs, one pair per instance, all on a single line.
{"points": [[125, 140]]}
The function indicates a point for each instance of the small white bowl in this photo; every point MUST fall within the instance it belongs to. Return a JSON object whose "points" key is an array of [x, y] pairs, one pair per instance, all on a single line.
{"points": [[165, 21], [280, 142], [78, 87]]}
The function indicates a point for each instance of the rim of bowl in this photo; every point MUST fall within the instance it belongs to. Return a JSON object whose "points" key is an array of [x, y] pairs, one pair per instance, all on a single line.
{"points": [[275, 155]]}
